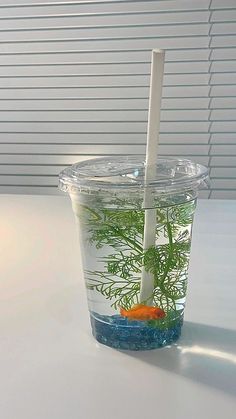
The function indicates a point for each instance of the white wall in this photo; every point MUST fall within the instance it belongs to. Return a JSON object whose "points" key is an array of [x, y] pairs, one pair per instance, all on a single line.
{"points": [[74, 79]]}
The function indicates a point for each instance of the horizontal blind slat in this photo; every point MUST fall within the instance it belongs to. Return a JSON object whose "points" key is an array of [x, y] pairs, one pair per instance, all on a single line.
{"points": [[105, 116], [223, 184], [223, 41], [107, 92], [223, 78], [106, 31], [223, 172], [58, 8], [101, 69], [103, 104], [28, 180], [223, 28], [116, 44], [221, 138], [223, 114], [225, 90], [101, 138], [103, 19], [30, 190], [103, 55], [101, 81], [218, 4], [81, 127], [226, 66], [223, 126], [223, 54], [35, 3], [217, 161], [21, 169], [223, 150], [223, 194], [223, 15], [64, 149], [223, 102]]}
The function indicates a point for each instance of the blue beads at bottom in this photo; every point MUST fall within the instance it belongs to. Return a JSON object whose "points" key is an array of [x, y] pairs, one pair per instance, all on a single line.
{"points": [[120, 333]]}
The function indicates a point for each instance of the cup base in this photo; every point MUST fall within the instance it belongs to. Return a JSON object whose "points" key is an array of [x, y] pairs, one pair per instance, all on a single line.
{"points": [[119, 333]]}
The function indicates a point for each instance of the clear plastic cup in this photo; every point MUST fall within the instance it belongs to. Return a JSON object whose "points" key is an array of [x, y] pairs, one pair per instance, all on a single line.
{"points": [[107, 197]]}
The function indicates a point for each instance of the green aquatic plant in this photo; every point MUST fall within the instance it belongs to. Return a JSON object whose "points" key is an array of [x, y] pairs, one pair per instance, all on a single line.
{"points": [[121, 231]]}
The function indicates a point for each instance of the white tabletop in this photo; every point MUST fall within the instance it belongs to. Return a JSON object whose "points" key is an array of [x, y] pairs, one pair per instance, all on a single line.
{"points": [[52, 368]]}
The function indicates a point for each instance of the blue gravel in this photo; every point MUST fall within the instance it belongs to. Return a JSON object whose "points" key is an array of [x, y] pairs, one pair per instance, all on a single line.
{"points": [[120, 333]]}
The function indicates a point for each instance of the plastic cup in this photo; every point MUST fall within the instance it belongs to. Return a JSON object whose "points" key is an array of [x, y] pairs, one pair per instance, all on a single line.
{"points": [[107, 200]]}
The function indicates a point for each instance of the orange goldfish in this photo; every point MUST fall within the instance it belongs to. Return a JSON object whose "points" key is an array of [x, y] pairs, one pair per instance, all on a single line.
{"points": [[142, 312]]}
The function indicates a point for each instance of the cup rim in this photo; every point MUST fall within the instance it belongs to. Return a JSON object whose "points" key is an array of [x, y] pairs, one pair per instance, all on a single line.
{"points": [[128, 172]]}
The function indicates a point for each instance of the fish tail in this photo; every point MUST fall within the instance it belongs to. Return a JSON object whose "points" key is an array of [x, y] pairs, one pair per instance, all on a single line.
{"points": [[123, 312]]}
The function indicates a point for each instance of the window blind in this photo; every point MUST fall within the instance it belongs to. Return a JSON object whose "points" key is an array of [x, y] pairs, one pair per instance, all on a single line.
{"points": [[74, 84]]}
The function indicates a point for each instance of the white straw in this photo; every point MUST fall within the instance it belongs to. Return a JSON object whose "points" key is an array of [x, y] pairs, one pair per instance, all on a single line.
{"points": [[155, 94]]}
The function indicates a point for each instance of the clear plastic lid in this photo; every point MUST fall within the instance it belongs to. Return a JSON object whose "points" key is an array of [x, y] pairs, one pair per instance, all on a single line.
{"points": [[128, 172]]}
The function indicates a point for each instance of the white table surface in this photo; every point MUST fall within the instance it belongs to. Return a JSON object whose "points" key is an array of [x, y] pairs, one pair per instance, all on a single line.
{"points": [[51, 367]]}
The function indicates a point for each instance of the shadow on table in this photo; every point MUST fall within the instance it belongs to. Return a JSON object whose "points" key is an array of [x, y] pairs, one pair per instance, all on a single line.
{"points": [[203, 353]]}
